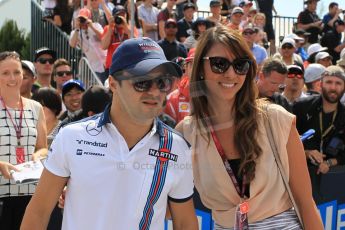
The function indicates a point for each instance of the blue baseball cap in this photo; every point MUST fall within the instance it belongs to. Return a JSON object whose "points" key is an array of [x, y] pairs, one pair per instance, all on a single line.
{"points": [[138, 56], [70, 84]]}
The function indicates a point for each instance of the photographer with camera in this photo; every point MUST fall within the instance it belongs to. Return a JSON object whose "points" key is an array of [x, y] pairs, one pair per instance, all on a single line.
{"points": [[326, 115], [115, 33], [87, 35], [332, 16]]}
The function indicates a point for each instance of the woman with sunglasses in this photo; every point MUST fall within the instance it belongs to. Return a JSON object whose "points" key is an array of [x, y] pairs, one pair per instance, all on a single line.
{"points": [[234, 167], [22, 138]]}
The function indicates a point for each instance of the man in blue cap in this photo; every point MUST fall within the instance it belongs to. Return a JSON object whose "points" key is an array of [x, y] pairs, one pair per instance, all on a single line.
{"points": [[122, 167]]}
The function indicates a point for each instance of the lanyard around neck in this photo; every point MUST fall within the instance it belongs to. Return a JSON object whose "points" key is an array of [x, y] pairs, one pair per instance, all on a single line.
{"points": [[240, 191], [324, 133], [17, 128]]}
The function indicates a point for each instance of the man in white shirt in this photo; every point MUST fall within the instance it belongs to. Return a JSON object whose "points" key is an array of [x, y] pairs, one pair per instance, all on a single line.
{"points": [[123, 166]]}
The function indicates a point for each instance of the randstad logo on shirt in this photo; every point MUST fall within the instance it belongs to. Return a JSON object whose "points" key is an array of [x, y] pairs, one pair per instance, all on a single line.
{"points": [[164, 155], [94, 143], [81, 152]]}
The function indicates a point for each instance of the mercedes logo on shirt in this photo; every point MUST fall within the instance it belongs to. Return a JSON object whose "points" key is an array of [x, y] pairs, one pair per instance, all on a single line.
{"points": [[92, 129]]}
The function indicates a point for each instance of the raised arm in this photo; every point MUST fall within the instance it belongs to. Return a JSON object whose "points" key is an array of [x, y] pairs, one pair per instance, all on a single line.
{"points": [[300, 184]]}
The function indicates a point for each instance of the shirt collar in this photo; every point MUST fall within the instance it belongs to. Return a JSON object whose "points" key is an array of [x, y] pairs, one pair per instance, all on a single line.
{"points": [[158, 125]]}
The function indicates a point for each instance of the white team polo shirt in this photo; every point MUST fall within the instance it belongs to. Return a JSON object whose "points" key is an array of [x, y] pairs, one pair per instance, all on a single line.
{"points": [[112, 187]]}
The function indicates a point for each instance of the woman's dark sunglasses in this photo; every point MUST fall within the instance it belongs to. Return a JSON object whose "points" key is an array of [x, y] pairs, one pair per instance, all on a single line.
{"points": [[220, 65]]}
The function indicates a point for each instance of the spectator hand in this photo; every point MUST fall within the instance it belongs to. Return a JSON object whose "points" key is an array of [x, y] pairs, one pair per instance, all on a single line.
{"points": [[323, 168], [315, 156], [5, 169], [61, 202], [111, 22], [77, 23], [36, 156]]}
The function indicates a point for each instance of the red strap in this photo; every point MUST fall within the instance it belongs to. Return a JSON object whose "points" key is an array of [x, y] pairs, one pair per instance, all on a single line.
{"points": [[17, 128], [226, 163]]}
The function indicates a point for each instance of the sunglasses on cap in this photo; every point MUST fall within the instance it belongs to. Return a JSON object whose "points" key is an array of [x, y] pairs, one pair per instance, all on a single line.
{"points": [[62, 73], [295, 75], [164, 83], [287, 46], [333, 73], [45, 60], [220, 65]]}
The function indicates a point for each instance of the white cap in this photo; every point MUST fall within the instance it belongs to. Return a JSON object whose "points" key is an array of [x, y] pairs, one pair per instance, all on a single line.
{"points": [[30, 66], [322, 55], [288, 41], [313, 72], [294, 37], [315, 48]]}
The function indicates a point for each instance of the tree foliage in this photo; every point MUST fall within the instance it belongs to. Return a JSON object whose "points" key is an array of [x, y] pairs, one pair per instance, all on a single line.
{"points": [[13, 39]]}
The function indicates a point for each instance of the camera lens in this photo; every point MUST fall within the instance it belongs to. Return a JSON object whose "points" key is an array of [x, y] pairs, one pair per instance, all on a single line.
{"points": [[118, 20], [82, 20]]}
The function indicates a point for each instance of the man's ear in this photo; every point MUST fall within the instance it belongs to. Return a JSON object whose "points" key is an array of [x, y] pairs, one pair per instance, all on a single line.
{"points": [[112, 84]]}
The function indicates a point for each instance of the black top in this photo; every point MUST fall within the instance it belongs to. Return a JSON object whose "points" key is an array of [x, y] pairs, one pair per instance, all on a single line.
{"points": [[172, 49], [279, 99], [307, 111], [332, 39], [182, 28], [306, 17], [235, 166], [66, 18], [266, 7]]}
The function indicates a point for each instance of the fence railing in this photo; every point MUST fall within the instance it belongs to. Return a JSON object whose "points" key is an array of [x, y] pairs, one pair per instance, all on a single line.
{"points": [[86, 74], [44, 33]]}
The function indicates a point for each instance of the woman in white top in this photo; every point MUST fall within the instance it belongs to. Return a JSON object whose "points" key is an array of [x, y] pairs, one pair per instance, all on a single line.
{"points": [[22, 138]]}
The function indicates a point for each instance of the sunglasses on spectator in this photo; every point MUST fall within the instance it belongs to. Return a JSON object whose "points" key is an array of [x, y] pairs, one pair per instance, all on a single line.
{"points": [[170, 27], [295, 75], [287, 46], [45, 60], [220, 65], [163, 83], [63, 73], [248, 32]]}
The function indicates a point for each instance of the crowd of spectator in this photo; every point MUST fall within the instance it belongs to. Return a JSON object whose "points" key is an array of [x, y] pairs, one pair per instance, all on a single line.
{"points": [[304, 74], [286, 74]]}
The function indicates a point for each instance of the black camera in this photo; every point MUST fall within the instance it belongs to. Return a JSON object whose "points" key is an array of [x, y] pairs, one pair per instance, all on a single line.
{"points": [[265, 43], [82, 20], [118, 20], [334, 146]]}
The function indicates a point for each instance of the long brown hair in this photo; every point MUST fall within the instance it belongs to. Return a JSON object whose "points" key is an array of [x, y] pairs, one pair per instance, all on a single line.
{"points": [[245, 107]]}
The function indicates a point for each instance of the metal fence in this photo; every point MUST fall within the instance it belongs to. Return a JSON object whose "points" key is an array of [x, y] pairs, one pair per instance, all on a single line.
{"points": [[44, 33], [86, 74]]}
